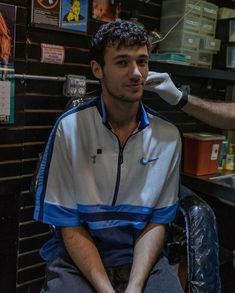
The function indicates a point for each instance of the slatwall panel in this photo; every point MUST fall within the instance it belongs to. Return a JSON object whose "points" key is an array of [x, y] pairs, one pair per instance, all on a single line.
{"points": [[11, 176], [38, 105]]}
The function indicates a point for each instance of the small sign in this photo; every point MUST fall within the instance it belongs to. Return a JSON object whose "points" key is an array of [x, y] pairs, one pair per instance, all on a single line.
{"points": [[5, 97], [7, 94], [52, 54], [45, 13]]}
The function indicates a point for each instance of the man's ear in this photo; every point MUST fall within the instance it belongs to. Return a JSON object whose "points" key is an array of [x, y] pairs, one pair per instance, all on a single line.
{"points": [[96, 69]]}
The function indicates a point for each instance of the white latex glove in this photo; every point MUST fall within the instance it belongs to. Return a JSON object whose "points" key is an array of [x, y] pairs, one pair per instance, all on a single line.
{"points": [[162, 84]]}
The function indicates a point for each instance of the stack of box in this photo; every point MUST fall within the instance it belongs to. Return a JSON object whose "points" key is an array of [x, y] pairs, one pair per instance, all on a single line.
{"points": [[194, 35], [226, 32]]}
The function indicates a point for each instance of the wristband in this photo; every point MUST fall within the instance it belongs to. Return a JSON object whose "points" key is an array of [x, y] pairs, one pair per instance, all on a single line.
{"points": [[183, 101]]}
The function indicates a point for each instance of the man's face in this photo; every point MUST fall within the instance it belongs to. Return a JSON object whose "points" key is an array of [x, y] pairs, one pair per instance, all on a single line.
{"points": [[124, 73]]}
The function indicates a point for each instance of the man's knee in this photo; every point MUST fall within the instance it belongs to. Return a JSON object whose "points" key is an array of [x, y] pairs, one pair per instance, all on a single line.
{"points": [[63, 276], [163, 278]]}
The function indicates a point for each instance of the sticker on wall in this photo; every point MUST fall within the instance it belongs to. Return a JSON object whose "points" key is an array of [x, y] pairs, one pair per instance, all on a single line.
{"points": [[53, 54], [74, 15], [45, 13], [106, 10]]}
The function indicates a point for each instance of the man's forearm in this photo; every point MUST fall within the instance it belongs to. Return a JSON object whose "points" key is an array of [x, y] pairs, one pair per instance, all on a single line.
{"points": [[147, 249], [221, 115], [85, 255]]}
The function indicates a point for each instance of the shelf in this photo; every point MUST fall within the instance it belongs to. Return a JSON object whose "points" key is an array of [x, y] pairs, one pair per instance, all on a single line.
{"points": [[192, 71], [206, 186]]}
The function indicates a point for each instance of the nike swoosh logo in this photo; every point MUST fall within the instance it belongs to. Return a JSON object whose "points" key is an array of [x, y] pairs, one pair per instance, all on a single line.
{"points": [[146, 161]]}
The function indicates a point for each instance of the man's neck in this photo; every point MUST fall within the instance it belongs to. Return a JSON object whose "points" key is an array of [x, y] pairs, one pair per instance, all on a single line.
{"points": [[123, 118]]}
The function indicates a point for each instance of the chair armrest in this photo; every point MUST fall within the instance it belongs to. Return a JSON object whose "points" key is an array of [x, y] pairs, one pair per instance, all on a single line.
{"points": [[202, 243]]}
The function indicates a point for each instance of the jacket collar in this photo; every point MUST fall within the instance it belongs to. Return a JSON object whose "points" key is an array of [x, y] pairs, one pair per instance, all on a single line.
{"points": [[144, 121]]}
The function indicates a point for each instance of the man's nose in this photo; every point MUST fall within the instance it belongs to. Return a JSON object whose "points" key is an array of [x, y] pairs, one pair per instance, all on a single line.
{"points": [[135, 72]]}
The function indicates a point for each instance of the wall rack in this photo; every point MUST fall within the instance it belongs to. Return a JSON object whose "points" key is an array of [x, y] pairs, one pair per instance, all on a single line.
{"points": [[49, 78], [192, 71], [74, 85]]}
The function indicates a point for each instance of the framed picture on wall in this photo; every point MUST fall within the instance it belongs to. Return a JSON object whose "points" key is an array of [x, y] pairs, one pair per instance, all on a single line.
{"points": [[74, 15], [106, 10]]}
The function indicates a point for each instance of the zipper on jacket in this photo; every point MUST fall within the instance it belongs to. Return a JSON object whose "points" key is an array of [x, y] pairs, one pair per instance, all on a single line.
{"points": [[120, 161]]}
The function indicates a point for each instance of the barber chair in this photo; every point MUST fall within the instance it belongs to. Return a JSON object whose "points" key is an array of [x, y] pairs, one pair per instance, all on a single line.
{"points": [[192, 243]]}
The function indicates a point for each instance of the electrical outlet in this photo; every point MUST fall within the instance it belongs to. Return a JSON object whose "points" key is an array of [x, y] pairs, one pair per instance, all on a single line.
{"points": [[74, 86]]}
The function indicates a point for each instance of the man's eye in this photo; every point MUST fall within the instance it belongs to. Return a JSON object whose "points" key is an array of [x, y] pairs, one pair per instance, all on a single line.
{"points": [[122, 62], [142, 62]]}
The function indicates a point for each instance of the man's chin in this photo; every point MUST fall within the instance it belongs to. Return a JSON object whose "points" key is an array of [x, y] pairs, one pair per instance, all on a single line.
{"points": [[134, 96], [131, 99]]}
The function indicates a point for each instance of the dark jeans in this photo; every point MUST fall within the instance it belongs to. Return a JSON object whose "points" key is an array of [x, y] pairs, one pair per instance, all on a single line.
{"points": [[62, 276]]}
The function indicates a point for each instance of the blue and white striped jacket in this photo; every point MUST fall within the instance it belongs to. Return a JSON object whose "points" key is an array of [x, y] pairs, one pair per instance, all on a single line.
{"points": [[87, 178]]}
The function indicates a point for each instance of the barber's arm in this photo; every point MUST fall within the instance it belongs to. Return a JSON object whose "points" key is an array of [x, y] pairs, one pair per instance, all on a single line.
{"points": [[216, 114], [147, 249], [85, 255]]}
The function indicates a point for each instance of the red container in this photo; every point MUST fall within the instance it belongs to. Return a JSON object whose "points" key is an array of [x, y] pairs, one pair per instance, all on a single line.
{"points": [[201, 153]]}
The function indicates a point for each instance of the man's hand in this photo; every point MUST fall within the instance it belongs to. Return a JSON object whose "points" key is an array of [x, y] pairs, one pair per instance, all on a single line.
{"points": [[84, 253], [162, 84], [133, 290], [147, 249]]}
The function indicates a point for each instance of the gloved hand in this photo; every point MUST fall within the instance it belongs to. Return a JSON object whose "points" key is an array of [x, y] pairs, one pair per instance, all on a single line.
{"points": [[162, 84]]}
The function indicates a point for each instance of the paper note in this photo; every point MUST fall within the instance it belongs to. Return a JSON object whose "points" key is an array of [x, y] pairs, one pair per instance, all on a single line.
{"points": [[5, 97]]}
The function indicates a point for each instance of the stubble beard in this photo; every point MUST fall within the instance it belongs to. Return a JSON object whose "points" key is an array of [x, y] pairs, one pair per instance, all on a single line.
{"points": [[123, 98]]}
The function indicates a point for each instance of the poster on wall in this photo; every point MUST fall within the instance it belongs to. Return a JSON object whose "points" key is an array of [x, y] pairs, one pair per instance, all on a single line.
{"points": [[106, 10], [7, 33], [74, 15], [7, 56], [45, 13]]}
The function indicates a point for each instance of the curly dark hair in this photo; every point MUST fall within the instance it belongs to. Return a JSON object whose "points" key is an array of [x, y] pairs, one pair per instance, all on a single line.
{"points": [[120, 33]]}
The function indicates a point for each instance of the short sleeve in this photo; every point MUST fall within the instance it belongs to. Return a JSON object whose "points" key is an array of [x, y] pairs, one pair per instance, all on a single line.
{"points": [[55, 196], [167, 205]]}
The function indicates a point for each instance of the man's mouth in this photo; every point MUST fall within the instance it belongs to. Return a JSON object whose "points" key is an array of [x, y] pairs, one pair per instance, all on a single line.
{"points": [[135, 85]]}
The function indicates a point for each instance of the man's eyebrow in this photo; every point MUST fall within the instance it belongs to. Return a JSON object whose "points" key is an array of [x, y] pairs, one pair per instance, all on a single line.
{"points": [[121, 56], [143, 56], [129, 57]]}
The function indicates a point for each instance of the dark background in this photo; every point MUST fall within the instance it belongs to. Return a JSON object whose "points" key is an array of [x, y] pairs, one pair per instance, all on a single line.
{"points": [[37, 105]]}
